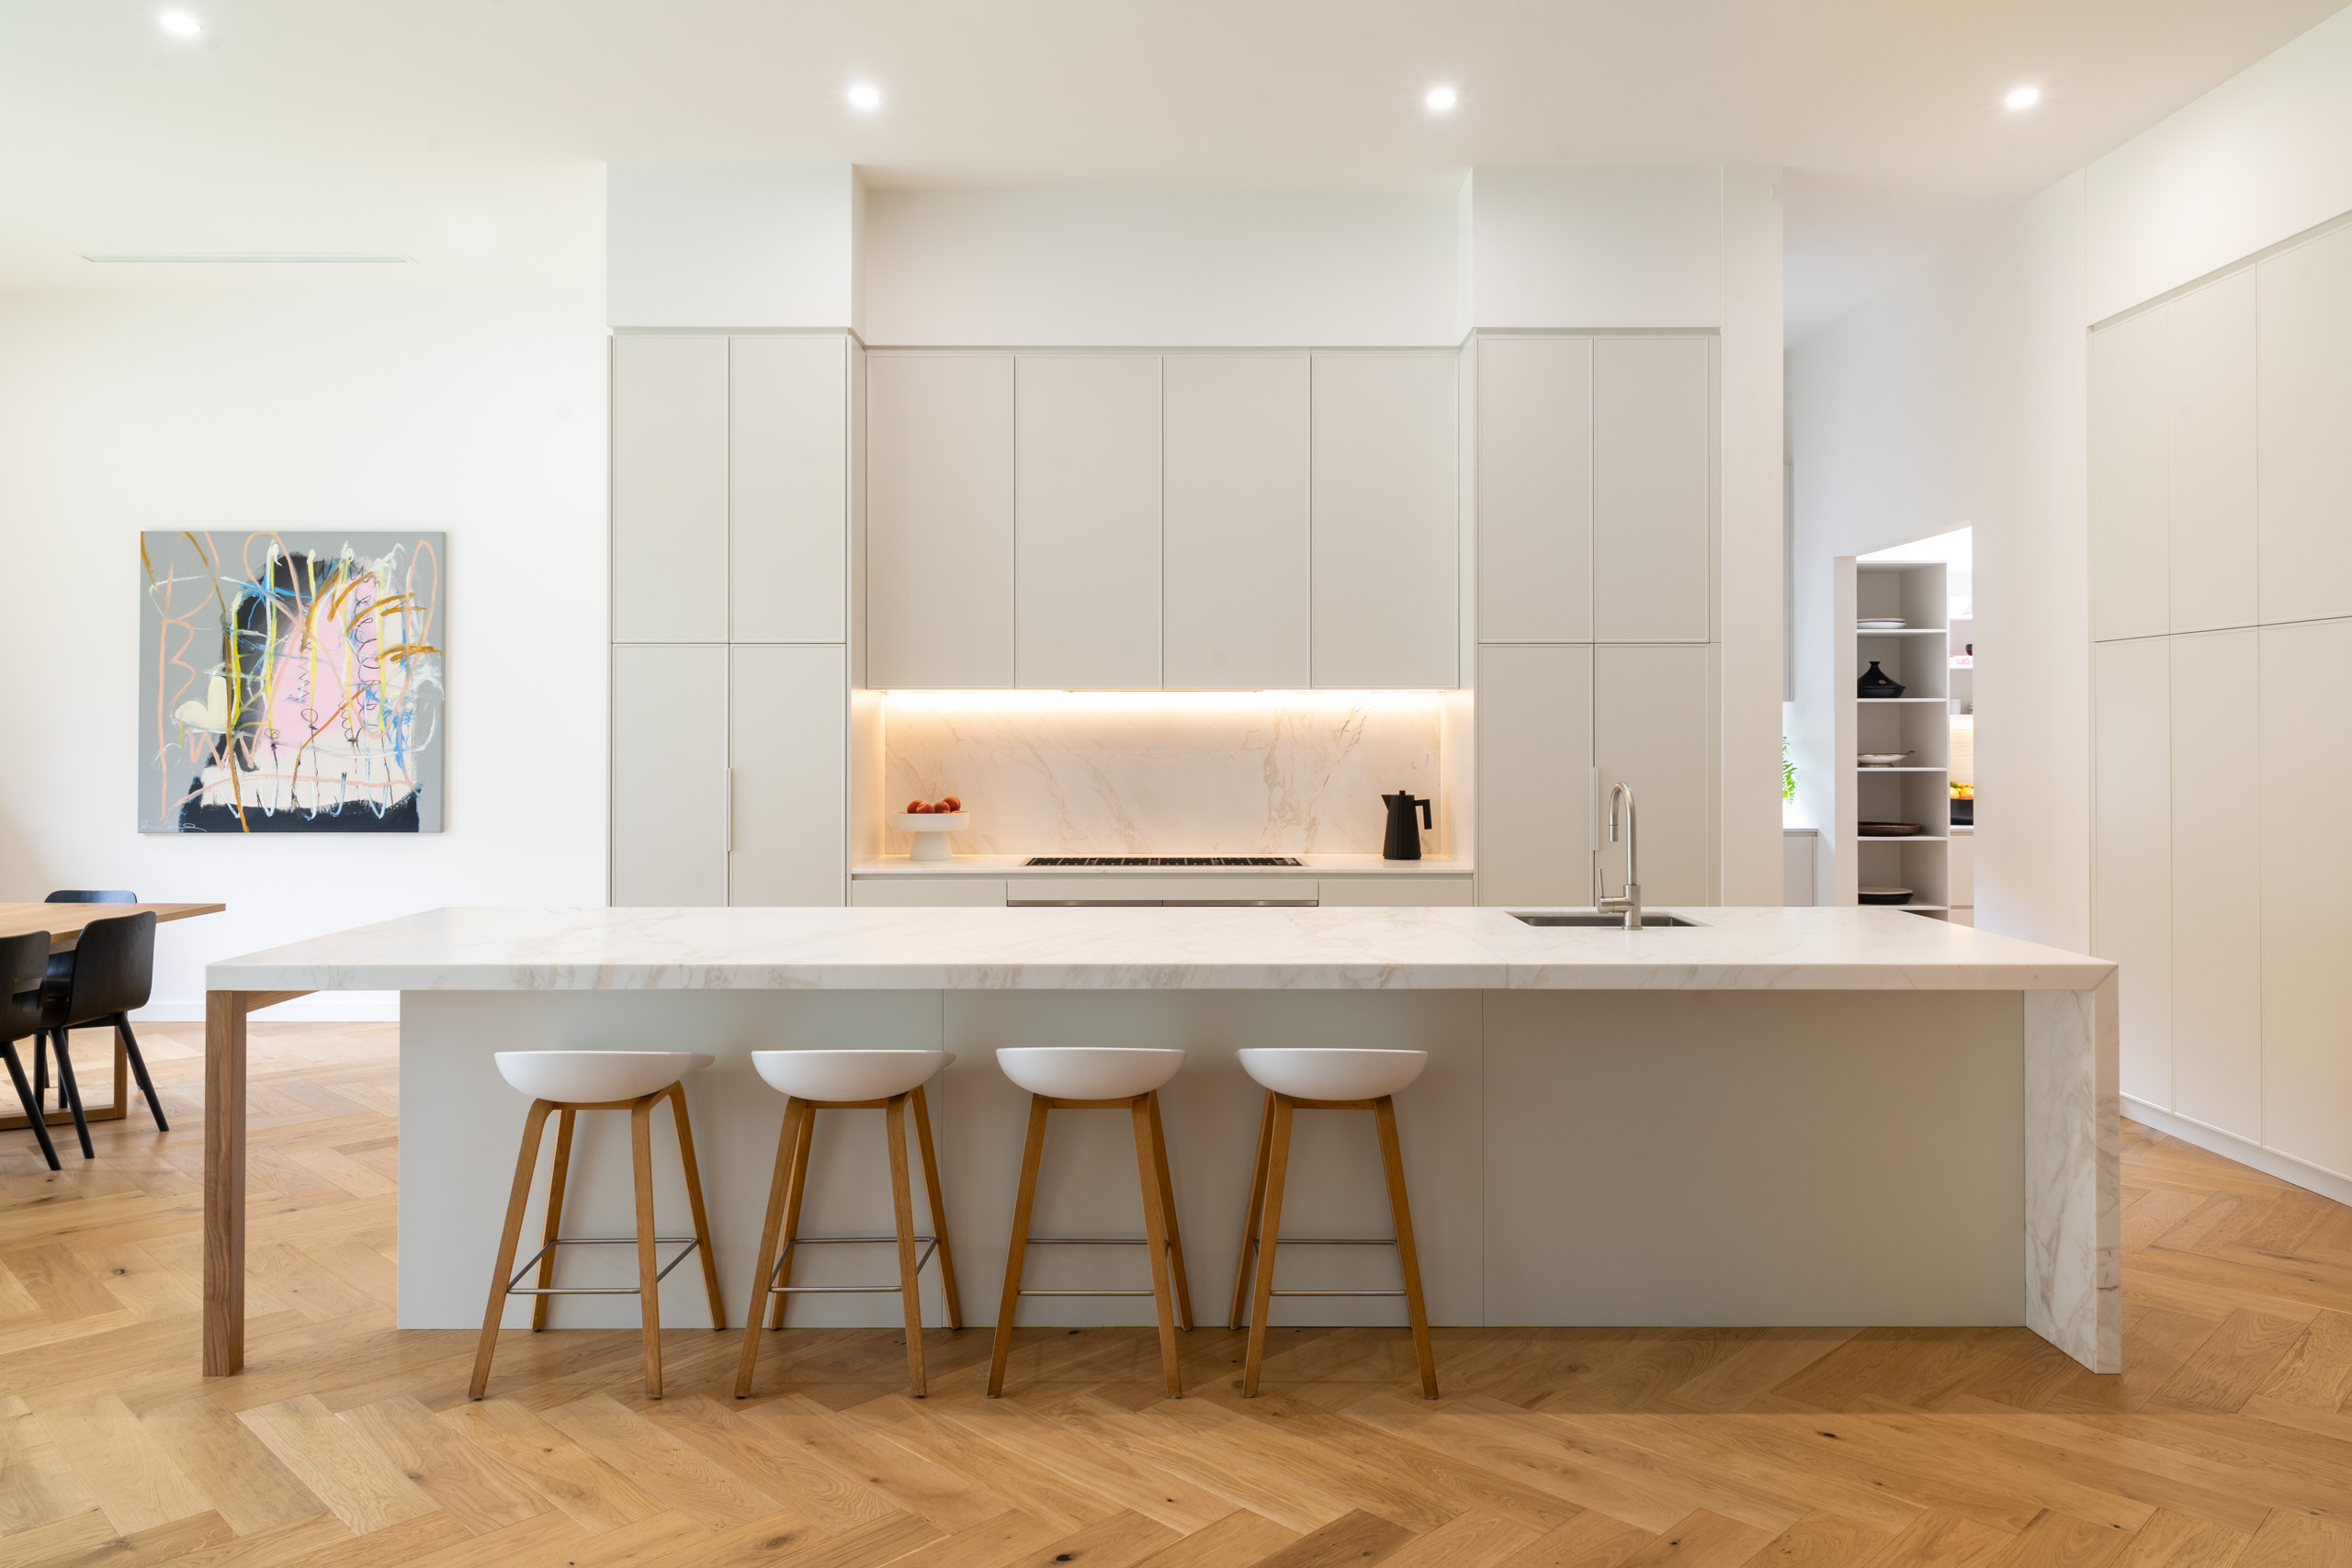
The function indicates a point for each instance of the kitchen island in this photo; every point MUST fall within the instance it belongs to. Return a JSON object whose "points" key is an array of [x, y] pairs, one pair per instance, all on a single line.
{"points": [[1770, 1117]]}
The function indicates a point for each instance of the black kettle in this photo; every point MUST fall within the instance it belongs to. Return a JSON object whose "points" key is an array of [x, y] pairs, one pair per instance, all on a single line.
{"points": [[1404, 840]]}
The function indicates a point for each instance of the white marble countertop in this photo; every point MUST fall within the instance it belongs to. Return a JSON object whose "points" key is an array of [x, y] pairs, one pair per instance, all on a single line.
{"points": [[1012, 865], [1140, 949]]}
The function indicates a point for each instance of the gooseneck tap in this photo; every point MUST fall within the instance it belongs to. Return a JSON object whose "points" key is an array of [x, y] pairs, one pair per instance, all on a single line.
{"points": [[1631, 904]]}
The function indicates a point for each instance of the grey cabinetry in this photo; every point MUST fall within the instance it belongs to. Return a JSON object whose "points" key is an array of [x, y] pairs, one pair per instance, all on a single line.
{"points": [[670, 785], [1235, 523], [668, 495], [788, 489], [1087, 483], [1534, 490], [1653, 488], [1383, 509], [939, 520]]}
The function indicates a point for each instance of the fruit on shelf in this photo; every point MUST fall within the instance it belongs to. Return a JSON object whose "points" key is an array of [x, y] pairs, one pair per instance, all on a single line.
{"points": [[1964, 792], [946, 808]]}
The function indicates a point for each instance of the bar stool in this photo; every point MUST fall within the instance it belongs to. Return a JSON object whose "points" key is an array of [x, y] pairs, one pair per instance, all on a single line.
{"points": [[1099, 1078], [571, 1082], [1324, 1081], [887, 1081]]}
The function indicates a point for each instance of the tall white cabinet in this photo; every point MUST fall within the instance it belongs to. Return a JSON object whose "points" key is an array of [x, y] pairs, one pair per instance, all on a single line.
{"points": [[2222, 615], [733, 507]]}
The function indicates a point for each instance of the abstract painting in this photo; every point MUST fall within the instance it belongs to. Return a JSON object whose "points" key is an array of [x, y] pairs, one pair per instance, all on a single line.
{"points": [[289, 682]]}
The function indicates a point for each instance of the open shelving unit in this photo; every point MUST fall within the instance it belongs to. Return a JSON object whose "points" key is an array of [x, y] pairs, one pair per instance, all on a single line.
{"points": [[1919, 790]]}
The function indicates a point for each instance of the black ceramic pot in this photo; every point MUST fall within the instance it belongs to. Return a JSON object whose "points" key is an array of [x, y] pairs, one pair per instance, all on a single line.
{"points": [[1877, 683]]}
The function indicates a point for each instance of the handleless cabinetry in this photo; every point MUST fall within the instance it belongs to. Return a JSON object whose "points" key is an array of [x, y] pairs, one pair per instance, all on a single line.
{"points": [[2130, 552], [2305, 398], [1536, 774], [2132, 870], [1234, 526], [2211, 449], [2216, 882], [1087, 530], [788, 489], [1653, 488], [669, 488], [1384, 505], [670, 783], [788, 838], [939, 520], [1535, 490], [1651, 713]]}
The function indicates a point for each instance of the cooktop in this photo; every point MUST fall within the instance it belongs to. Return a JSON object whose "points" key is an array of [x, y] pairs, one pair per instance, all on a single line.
{"points": [[1161, 860]]}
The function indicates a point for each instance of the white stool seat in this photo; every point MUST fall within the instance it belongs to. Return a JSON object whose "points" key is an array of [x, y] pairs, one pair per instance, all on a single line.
{"points": [[848, 1075], [1341, 1074], [1089, 1072], [591, 1078]]}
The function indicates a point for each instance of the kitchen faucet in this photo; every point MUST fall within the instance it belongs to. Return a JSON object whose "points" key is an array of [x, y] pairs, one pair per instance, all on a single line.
{"points": [[1631, 904]]}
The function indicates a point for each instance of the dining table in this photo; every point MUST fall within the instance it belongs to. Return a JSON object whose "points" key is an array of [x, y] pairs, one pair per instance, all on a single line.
{"points": [[63, 922]]}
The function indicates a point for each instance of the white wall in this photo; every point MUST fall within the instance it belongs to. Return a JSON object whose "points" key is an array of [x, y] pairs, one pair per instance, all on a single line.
{"points": [[482, 416], [1585, 248], [1169, 269], [733, 245]]}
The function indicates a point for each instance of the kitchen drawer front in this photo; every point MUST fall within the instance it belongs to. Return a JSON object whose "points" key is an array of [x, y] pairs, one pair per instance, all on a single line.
{"points": [[1394, 892], [926, 893], [1157, 890]]}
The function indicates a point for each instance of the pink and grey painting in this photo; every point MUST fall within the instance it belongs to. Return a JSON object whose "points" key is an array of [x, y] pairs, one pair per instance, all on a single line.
{"points": [[289, 682]]}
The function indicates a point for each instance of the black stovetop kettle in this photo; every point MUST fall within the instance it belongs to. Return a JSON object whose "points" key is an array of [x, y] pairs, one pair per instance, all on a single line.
{"points": [[1404, 840]]}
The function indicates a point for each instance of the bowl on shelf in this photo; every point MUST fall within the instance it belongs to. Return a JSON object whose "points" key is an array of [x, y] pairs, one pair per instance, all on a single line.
{"points": [[929, 830], [1886, 829], [1883, 895], [1882, 759]]}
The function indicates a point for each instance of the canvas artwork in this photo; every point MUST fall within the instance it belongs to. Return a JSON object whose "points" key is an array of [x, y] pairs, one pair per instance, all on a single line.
{"points": [[289, 682]]}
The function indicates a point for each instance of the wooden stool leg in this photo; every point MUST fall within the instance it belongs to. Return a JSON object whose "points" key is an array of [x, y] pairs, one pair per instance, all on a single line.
{"points": [[1155, 1234], [902, 1212], [524, 1164], [556, 1182], [788, 1145], [648, 1292], [1232, 1318], [1391, 1158], [796, 1190], [693, 1204], [938, 1210], [1032, 1153], [1168, 1209], [1270, 1230]]}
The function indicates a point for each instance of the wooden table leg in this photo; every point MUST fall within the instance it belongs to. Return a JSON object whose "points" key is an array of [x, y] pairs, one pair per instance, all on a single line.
{"points": [[224, 1183]]}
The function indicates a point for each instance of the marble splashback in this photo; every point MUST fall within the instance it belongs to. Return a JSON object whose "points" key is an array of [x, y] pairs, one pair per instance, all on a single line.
{"points": [[1161, 773]]}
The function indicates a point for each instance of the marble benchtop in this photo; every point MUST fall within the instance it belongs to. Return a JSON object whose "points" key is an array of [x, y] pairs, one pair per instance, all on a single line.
{"points": [[1148, 948], [1315, 865]]}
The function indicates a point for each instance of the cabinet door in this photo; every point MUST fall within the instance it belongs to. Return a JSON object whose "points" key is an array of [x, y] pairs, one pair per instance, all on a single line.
{"points": [[1653, 488], [669, 489], [2216, 883], [1385, 497], [2132, 873], [2211, 449], [1234, 532], [939, 520], [1650, 731], [669, 776], [2130, 532], [1086, 521], [1534, 490], [788, 488], [2306, 483], [1534, 775], [787, 721], [2306, 924]]}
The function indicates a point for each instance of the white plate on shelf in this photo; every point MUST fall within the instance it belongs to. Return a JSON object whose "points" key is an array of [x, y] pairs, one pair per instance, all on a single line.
{"points": [[1883, 898], [930, 830], [1882, 759], [1883, 624]]}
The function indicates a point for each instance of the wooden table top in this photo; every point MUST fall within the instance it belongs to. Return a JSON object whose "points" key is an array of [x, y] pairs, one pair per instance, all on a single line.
{"points": [[63, 922]]}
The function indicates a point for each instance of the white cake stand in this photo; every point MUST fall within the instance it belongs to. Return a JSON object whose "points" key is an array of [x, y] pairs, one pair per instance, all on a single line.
{"points": [[930, 830]]}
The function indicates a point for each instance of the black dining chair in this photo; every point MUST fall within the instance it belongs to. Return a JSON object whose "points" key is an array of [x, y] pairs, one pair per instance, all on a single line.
{"points": [[61, 972], [114, 970], [24, 963]]}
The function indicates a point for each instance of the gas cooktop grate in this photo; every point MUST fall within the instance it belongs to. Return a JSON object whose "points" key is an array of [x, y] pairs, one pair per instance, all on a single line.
{"points": [[1161, 860]]}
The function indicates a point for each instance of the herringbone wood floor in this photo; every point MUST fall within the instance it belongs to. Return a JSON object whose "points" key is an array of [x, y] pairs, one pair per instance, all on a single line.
{"points": [[2227, 1440]]}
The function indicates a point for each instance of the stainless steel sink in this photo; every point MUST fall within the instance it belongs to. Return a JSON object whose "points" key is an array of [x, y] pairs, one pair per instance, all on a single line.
{"points": [[1598, 921]]}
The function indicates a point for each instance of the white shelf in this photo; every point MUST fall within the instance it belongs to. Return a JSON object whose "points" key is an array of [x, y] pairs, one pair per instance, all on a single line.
{"points": [[1862, 837], [1903, 631], [1890, 702], [1866, 768]]}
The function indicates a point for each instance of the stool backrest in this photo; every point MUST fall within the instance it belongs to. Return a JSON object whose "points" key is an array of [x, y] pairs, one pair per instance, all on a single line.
{"points": [[24, 960], [114, 965], [91, 895]]}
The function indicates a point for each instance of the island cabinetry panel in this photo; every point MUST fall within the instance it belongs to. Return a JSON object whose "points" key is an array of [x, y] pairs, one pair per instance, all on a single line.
{"points": [[1384, 506], [927, 892], [788, 758], [2130, 512], [1424, 891], [787, 446], [1653, 488], [1234, 529], [1651, 732], [940, 520], [2306, 412], [2213, 466], [2132, 869], [2217, 827], [669, 773], [1087, 531], [669, 497], [1534, 490], [1534, 773]]}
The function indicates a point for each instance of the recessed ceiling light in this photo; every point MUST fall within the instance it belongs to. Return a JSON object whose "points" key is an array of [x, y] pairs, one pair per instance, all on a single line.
{"points": [[864, 96], [180, 24], [1441, 100], [2023, 97]]}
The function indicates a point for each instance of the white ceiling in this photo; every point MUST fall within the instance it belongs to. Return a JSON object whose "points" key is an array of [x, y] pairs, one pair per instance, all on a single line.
{"points": [[469, 133]]}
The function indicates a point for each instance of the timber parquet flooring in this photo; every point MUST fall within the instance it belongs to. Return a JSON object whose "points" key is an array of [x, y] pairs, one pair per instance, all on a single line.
{"points": [[2227, 1440]]}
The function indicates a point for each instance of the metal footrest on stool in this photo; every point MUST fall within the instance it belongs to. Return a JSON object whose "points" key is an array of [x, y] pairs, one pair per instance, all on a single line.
{"points": [[515, 1289], [930, 1244], [1090, 1241], [1333, 1241]]}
